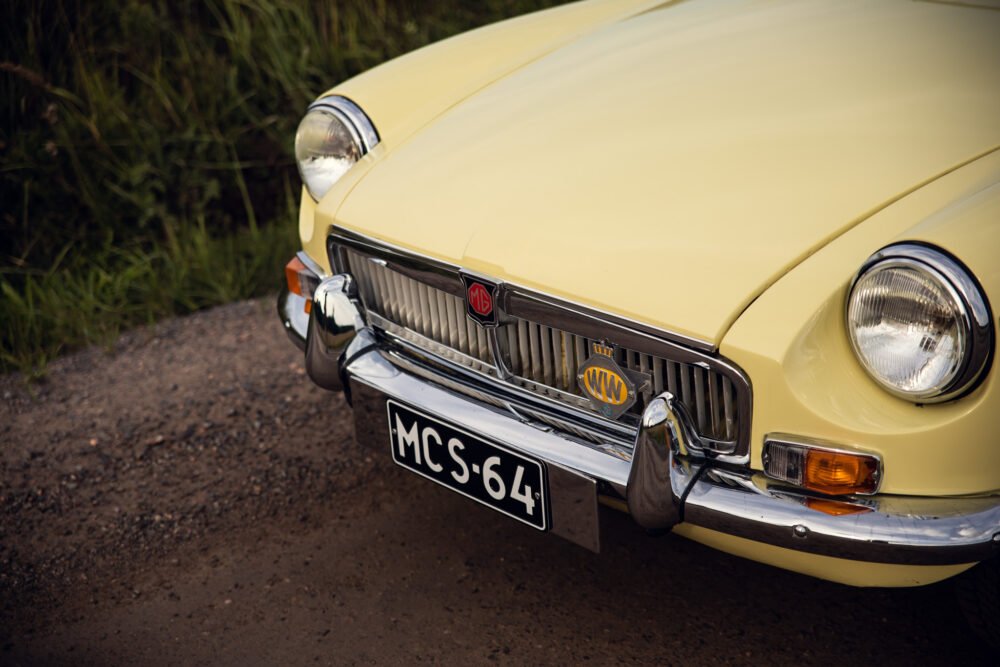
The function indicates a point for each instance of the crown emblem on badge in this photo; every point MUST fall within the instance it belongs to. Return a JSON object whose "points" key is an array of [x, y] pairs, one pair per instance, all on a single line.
{"points": [[606, 350]]}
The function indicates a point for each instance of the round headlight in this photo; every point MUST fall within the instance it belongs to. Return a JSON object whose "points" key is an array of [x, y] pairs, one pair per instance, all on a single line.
{"points": [[919, 323], [332, 136]]}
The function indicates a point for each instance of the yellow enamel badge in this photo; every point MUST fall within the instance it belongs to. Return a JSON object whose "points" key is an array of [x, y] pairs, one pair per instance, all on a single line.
{"points": [[610, 389], [606, 385]]}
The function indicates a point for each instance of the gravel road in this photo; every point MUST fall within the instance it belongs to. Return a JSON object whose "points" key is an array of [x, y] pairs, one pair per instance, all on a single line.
{"points": [[189, 498]]}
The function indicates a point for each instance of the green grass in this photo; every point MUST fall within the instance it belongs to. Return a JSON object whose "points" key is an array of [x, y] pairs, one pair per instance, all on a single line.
{"points": [[57, 310], [145, 149]]}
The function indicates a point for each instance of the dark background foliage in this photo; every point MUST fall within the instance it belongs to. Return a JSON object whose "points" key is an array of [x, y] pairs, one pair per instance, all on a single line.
{"points": [[145, 148]]}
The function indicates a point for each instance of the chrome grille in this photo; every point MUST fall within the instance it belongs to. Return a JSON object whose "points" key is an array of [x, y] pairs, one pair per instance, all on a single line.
{"points": [[431, 313], [545, 359], [541, 358]]}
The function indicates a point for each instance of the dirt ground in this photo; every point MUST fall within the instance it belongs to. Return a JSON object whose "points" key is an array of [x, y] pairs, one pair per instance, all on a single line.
{"points": [[189, 498]]}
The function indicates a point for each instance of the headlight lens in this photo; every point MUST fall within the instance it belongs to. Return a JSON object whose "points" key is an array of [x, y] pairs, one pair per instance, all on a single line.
{"points": [[332, 136], [919, 323]]}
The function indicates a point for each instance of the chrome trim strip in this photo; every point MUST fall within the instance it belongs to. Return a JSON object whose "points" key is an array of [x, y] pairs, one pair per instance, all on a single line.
{"points": [[592, 323], [356, 119], [564, 397], [437, 274], [422, 342]]}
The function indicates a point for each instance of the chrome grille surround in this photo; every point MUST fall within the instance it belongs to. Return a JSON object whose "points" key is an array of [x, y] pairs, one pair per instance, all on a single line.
{"points": [[418, 303]]}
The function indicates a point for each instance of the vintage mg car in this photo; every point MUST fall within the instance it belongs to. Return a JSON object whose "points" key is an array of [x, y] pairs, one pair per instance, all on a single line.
{"points": [[730, 267]]}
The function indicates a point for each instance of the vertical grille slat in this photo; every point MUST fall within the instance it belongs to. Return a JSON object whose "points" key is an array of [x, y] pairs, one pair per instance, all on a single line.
{"points": [[535, 352], [658, 381], [430, 299], [699, 398], [454, 331], [388, 299], [403, 295], [728, 397], [415, 306], [483, 344], [558, 360], [685, 392], [673, 384], [388, 302], [362, 282], [569, 361], [473, 337], [416, 321], [396, 299], [544, 335], [524, 347], [447, 333], [645, 362], [545, 357], [514, 349], [713, 400]]}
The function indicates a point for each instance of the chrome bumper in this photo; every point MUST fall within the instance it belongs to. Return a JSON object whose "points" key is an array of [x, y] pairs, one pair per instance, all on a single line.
{"points": [[662, 479]]}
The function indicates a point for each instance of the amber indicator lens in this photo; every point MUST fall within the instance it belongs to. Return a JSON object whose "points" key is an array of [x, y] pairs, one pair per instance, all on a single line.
{"points": [[292, 271], [301, 281], [828, 471], [837, 473]]}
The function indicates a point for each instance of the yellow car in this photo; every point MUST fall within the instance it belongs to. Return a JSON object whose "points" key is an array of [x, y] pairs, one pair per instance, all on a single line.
{"points": [[731, 267]]}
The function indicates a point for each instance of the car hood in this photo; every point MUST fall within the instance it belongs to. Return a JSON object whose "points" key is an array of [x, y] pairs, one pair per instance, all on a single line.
{"points": [[671, 166]]}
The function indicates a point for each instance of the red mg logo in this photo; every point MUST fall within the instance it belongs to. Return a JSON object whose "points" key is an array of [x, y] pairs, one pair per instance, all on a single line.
{"points": [[480, 299]]}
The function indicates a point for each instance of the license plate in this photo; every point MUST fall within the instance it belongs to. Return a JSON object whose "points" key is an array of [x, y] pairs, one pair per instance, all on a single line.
{"points": [[485, 471]]}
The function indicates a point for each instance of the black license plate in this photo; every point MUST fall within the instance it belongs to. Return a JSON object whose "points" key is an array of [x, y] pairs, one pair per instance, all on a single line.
{"points": [[484, 471]]}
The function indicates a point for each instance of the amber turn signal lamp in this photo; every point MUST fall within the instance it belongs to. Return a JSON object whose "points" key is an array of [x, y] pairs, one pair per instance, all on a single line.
{"points": [[829, 471], [836, 473], [301, 280]]}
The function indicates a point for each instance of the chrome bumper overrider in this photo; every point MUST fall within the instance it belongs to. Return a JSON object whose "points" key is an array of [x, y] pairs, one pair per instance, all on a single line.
{"points": [[661, 476]]}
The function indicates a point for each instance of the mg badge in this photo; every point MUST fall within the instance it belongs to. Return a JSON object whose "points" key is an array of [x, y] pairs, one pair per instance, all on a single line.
{"points": [[612, 390], [481, 300]]}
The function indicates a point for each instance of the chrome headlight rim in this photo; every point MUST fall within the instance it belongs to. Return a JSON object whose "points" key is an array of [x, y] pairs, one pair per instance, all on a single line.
{"points": [[975, 318], [359, 126]]}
